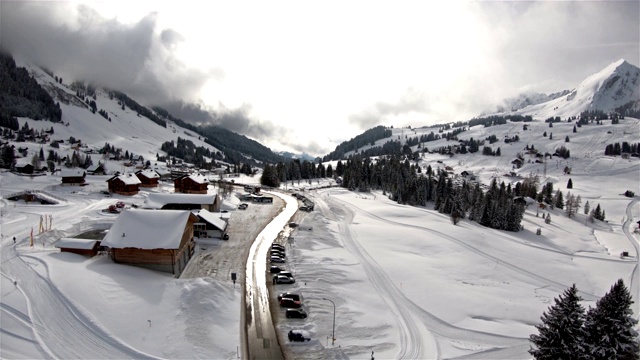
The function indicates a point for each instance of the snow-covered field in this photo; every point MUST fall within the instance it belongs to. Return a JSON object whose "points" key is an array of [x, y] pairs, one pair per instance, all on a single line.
{"points": [[405, 281]]}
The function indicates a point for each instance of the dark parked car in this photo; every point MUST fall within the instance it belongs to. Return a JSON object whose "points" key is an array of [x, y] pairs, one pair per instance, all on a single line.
{"points": [[279, 279], [225, 237], [276, 259], [306, 208], [275, 269], [285, 273], [243, 206], [298, 335], [290, 295], [290, 303], [292, 224], [295, 313]]}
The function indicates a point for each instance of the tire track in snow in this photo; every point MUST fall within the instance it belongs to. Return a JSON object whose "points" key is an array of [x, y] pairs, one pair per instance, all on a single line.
{"points": [[412, 334], [634, 286]]}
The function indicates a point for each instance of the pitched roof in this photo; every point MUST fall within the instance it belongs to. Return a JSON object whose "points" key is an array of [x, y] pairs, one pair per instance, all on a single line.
{"points": [[148, 173], [147, 229], [128, 179], [197, 178], [158, 200], [212, 218], [74, 172], [73, 243]]}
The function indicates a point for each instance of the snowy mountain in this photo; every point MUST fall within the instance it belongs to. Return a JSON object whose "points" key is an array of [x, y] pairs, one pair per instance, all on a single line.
{"points": [[523, 100], [614, 86]]}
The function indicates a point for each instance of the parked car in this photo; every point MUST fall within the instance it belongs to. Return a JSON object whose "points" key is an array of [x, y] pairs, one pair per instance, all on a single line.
{"points": [[293, 224], [278, 253], [243, 206], [277, 259], [290, 295], [277, 246], [285, 273], [295, 313], [225, 237], [290, 303], [275, 269], [306, 208], [298, 335], [279, 279]]}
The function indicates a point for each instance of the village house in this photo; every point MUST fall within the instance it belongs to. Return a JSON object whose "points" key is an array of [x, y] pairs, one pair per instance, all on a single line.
{"points": [[148, 178], [209, 225], [126, 184], [73, 176], [85, 247], [156, 240], [97, 169], [191, 184], [178, 201]]}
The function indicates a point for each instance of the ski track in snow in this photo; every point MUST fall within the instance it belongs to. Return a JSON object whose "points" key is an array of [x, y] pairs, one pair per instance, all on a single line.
{"points": [[70, 334], [411, 339], [634, 280]]}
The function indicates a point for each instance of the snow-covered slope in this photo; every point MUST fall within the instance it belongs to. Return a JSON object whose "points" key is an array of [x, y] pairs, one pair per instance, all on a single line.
{"points": [[126, 130], [616, 85]]}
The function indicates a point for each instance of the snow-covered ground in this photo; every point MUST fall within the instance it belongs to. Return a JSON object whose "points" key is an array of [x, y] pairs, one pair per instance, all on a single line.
{"points": [[406, 283]]}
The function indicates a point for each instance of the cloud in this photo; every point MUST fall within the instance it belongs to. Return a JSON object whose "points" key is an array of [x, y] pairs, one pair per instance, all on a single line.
{"points": [[79, 44], [381, 112]]}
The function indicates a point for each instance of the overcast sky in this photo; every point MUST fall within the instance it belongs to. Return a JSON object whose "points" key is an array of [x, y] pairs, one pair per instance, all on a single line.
{"points": [[304, 76]]}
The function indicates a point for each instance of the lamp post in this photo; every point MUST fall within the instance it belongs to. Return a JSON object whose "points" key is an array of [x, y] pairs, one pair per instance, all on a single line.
{"points": [[333, 331]]}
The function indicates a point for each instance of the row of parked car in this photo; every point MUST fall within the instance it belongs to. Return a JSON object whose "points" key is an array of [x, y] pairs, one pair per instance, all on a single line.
{"points": [[289, 300]]}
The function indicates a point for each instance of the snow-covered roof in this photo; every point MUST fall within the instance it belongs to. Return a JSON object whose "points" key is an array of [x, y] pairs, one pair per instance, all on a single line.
{"points": [[73, 243], [128, 179], [72, 172], [147, 229], [211, 218], [149, 174], [158, 200], [162, 171], [198, 178]]}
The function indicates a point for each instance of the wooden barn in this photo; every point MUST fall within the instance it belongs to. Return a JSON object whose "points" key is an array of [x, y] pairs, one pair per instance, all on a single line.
{"points": [[191, 184], [127, 184], [73, 176], [156, 240], [148, 178], [86, 247], [98, 169], [174, 201]]}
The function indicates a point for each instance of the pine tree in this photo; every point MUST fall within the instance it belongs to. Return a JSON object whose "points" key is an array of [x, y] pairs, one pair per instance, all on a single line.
{"points": [[608, 327], [569, 184], [587, 207], [561, 335], [570, 205], [558, 200]]}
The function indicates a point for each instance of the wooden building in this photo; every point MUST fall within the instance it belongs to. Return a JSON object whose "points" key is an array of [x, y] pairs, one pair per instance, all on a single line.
{"points": [[148, 178], [209, 225], [157, 240], [86, 247], [73, 176], [127, 184], [191, 184]]}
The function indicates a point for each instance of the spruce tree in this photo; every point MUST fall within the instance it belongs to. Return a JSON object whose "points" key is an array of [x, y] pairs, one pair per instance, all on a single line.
{"points": [[569, 184], [609, 332], [561, 335]]}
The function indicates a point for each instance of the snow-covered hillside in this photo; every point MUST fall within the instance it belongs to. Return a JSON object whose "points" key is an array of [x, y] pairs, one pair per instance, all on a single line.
{"points": [[127, 129], [614, 86]]}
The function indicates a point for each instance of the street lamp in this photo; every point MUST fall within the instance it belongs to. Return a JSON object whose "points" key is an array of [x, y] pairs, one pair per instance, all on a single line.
{"points": [[333, 331]]}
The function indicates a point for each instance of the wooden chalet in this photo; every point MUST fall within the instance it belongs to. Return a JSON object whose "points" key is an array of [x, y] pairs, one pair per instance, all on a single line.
{"points": [[148, 178], [86, 247], [98, 169], [191, 184], [209, 225], [178, 201], [73, 176], [127, 184], [25, 169], [156, 240]]}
